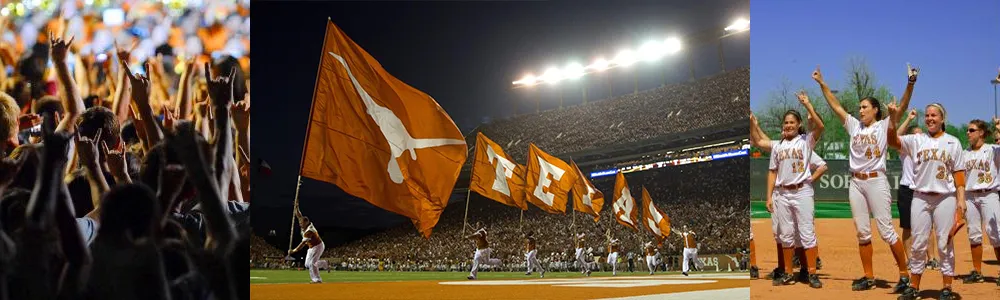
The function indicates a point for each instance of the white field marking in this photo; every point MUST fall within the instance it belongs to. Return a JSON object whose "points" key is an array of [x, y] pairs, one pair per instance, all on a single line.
{"points": [[258, 278], [734, 293], [582, 282]]}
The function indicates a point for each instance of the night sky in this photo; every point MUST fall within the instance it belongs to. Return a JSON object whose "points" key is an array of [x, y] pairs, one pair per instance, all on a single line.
{"points": [[465, 55]]}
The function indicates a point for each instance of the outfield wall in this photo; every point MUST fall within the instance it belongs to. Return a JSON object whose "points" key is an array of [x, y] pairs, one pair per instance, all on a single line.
{"points": [[832, 186]]}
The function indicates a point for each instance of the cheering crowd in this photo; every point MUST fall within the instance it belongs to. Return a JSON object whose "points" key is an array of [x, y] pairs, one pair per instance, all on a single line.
{"points": [[687, 193], [672, 109], [125, 153]]}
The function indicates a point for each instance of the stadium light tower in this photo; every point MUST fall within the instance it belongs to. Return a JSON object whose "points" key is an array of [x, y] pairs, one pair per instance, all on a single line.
{"points": [[738, 26]]}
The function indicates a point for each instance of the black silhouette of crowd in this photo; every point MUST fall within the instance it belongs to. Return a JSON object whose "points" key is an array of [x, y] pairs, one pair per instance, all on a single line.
{"points": [[124, 152]]}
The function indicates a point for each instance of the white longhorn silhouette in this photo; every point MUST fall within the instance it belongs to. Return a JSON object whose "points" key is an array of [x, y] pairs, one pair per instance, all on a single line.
{"points": [[392, 129], [624, 205]]}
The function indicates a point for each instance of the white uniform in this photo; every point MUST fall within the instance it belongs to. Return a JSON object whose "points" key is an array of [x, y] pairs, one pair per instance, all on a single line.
{"points": [[313, 255], [935, 159], [792, 198], [690, 251], [482, 256], [531, 259], [814, 163], [983, 205], [613, 258], [580, 258], [871, 195]]}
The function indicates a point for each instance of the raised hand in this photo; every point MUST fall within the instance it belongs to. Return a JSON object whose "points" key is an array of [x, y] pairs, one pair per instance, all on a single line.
{"points": [[817, 75], [911, 73], [125, 54], [86, 148], [220, 88], [115, 159], [913, 114], [803, 98], [241, 114], [140, 83], [56, 142], [168, 119], [892, 107], [59, 47]]}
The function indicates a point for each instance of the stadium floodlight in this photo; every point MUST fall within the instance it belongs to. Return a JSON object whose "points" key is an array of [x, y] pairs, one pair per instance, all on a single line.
{"points": [[527, 80], [740, 24], [625, 58], [552, 75], [672, 45], [600, 65], [574, 71], [652, 50]]}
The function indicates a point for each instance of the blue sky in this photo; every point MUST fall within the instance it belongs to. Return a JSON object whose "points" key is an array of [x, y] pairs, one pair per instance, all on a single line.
{"points": [[956, 45]]}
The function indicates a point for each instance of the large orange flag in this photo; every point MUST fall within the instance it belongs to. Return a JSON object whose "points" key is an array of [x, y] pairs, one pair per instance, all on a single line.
{"points": [[586, 198], [654, 220], [496, 176], [626, 212], [548, 181], [379, 139]]}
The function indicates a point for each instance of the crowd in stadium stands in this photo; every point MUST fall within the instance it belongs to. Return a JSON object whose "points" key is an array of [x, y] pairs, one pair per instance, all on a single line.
{"points": [[111, 188], [716, 100], [646, 159], [688, 194]]}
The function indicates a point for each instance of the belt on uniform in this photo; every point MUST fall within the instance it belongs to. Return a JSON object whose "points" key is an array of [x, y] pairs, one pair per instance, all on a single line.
{"points": [[793, 186], [981, 191], [865, 175], [928, 193]]}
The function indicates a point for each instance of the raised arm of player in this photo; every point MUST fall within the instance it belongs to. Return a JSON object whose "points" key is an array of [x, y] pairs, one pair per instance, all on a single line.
{"points": [[901, 131], [911, 79], [893, 134], [758, 138], [830, 98], [815, 122]]}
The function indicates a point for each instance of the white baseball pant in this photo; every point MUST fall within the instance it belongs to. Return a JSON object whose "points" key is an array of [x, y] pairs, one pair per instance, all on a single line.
{"points": [[925, 209], [689, 253], [774, 224], [651, 263], [312, 261], [533, 261], [983, 210], [482, 257], [580, 258], [794, 210], [872, 197], [613, 260]]}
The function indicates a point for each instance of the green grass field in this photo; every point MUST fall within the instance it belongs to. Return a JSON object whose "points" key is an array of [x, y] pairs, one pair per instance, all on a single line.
{"points": [[295, 276], [831, 210]]}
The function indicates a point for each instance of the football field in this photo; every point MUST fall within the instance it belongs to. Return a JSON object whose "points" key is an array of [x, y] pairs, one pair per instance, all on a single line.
{"points": [[293, 284]]}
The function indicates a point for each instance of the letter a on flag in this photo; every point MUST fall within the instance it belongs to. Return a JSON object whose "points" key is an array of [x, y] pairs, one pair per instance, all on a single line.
{"points": [[654, 220], [626, 212], [548, 181], [586, 198], [496, 176], [379, 139]]}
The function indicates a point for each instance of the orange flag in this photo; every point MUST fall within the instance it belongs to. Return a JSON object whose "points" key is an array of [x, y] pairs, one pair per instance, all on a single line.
{"points": [[626, 212], [379, 139], [586, 198], [654, 220], [549, 180], [495, 175]]}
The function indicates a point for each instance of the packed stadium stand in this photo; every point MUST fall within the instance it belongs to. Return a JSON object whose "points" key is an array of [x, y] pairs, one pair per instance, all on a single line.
{"points": [[709, 115]]}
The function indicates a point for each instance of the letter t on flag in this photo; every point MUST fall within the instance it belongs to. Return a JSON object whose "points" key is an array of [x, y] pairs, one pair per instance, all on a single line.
{"points": [[548, 181], [379, 139], [496, 176]]}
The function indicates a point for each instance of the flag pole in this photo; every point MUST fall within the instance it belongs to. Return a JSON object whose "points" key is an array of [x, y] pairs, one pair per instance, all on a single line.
{"points": [[520, 224], [466, 218], [326, 33]]}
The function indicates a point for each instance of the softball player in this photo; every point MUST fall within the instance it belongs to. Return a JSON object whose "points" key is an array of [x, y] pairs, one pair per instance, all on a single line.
{"points": [[983, 207], [869, 187], [939, 194], [904, 196], [818, 167], [530, 255], [789, 194]]}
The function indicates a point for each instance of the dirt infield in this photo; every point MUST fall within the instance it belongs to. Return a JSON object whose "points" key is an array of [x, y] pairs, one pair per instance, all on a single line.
{"points": [[838, 248], [697, 286]]}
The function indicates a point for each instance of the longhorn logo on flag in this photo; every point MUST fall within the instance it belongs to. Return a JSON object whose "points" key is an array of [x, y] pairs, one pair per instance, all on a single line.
{"points": [[654, 220], [626, 212], [586, 198], [496, 176], [548, 181], [379, 139]]}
